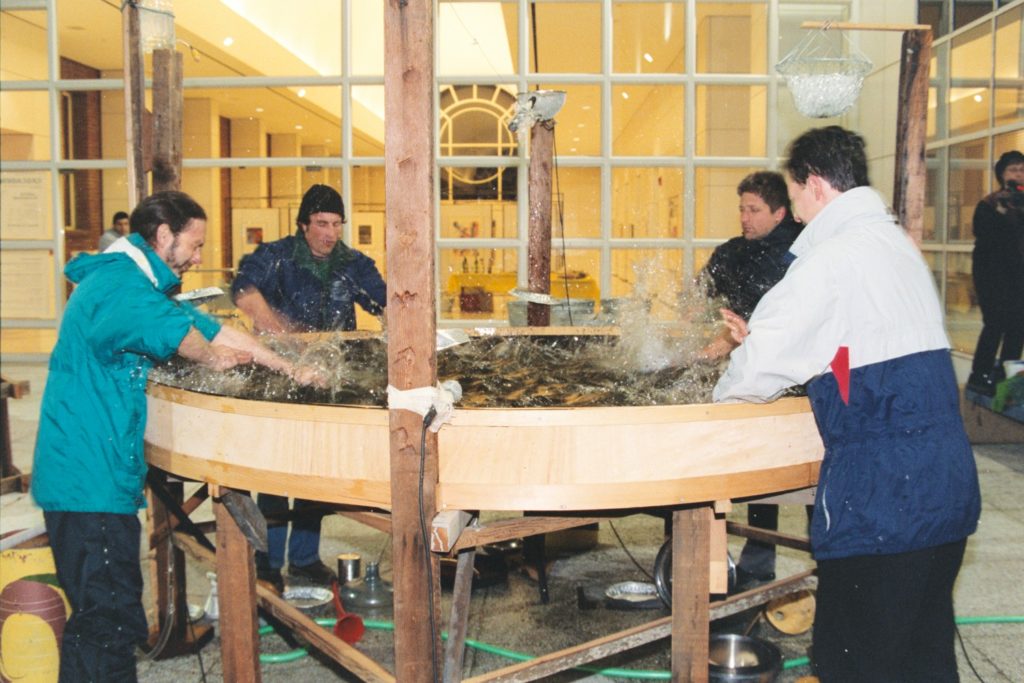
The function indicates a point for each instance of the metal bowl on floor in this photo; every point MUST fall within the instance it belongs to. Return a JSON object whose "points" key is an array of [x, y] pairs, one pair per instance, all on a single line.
{"points": [[307, 598], [742, 659]]}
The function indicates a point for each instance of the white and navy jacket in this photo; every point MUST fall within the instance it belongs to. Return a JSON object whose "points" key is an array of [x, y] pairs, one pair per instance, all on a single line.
{"points": [[857, 316]]}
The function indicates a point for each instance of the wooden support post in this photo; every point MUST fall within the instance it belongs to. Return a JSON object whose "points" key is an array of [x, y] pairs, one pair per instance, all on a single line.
{"points": [[168, 119], [458, 622], [911, 131], [691, 558], [411, 310], [168, 562], [236, 595], [134, 103], [542, 144]]}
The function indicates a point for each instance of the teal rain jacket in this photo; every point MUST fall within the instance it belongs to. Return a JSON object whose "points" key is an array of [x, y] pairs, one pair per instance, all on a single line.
{"points": [[117, 323]]}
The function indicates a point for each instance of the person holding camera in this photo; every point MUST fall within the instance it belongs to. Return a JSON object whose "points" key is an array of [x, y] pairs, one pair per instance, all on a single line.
{"points": [[998, 267]]}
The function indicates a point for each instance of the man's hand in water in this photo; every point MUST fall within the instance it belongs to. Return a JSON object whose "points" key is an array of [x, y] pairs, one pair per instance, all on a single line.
{"points": [[224, 358], [308, 375], [738, 329]]}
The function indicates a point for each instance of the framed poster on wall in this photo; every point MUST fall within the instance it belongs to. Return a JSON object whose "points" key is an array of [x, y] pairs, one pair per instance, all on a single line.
{"points": [[27, 281], [25, 205]]}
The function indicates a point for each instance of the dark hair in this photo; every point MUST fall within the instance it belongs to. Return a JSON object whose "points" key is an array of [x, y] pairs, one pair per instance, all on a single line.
{"points": [[175, 209], [831, 153], [319, 199], [1007, 159], [118, 216], [769, 186]]}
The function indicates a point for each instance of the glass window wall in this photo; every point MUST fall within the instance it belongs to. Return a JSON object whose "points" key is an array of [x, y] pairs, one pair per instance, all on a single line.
{"points": [[669, 104], [975, 115]]}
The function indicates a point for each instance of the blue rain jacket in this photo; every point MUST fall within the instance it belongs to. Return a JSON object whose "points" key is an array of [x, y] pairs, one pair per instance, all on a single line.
{"points": [[117, 323], [276, 269], [857, 316]]}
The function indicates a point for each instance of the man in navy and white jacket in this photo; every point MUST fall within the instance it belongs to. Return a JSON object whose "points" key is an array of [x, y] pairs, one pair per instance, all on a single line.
{"points": [[857, 318]]}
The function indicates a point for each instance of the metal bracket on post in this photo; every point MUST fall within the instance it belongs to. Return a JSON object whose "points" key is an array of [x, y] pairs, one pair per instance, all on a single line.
{"points": [[536, 105]]}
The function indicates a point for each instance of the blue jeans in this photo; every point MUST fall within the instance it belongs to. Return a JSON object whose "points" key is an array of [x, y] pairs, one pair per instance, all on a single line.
{"points": [[304, 543], [97, 559]]}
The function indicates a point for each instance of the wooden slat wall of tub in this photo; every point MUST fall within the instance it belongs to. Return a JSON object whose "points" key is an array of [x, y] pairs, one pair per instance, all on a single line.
{"points": [[595, 458], [493, 459], [330, 453]]}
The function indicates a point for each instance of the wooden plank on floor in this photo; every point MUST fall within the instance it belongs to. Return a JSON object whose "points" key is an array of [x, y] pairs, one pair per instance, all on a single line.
{"points": [[323, 640]]}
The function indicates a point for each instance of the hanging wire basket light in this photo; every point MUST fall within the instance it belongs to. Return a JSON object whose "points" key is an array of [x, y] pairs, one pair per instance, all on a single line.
{"points": [[823, 80]]}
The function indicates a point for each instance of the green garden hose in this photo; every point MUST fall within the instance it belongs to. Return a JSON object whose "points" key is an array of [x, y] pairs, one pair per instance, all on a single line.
{"points": [[635, 674]]}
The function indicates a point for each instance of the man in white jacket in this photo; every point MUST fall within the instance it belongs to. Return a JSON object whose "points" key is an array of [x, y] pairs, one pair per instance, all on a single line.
{"points": [[857, 318]]}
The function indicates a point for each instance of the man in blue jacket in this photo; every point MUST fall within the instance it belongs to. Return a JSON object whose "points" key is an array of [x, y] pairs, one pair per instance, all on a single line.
{"points": [[89, 467], [310, 281], [857, 316]]}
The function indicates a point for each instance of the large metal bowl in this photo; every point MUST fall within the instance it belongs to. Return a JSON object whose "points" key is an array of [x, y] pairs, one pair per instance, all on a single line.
{"points": [[742, 659]]}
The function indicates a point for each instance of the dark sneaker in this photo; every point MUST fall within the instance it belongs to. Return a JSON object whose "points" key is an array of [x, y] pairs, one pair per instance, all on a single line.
{"points": [[316, 572], [272, 577], [982, 383]]}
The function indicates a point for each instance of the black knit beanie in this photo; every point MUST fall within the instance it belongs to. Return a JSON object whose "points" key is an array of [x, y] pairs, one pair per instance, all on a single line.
{"points": [[319, 199]]}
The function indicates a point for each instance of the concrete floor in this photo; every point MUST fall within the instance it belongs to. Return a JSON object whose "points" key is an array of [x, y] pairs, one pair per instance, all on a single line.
{"points": [[510, 615]]}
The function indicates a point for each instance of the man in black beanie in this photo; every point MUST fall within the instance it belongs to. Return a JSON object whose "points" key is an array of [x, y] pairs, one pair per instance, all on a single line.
{"points": [[305, 282], [310, 281], [998, 268]]}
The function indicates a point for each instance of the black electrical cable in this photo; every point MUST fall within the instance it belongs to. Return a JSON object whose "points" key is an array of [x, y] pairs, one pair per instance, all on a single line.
{"points": [[967, 656], [561, 225], [199, 650], [629, 554], [425, 539]]}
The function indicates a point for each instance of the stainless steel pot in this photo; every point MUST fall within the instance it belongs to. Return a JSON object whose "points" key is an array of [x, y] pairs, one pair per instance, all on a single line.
{"points": [[743, 659]]}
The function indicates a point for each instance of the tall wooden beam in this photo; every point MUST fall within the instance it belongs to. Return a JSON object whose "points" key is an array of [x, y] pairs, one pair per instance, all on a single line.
{"points": [[691, 558], [168, 119], [236, 591], [542, 144], [167, 576], [411, 310], [134, 103], [911, 131]]}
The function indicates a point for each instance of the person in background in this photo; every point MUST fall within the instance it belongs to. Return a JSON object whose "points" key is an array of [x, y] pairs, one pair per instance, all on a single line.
{"points": [[858, 319], [742, 270], [998, 268], [89, 468], [310, 281], [118, 229]]}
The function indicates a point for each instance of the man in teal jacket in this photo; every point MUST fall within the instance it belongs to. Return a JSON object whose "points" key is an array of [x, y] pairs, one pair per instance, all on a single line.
{"points": [[89, 466]]}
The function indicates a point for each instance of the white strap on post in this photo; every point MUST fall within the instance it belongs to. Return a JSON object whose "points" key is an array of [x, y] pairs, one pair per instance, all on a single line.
{"points": [[421, 399]]}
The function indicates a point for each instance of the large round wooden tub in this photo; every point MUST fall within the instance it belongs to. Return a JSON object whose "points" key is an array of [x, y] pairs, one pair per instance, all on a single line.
{"points": [[492, 459]]}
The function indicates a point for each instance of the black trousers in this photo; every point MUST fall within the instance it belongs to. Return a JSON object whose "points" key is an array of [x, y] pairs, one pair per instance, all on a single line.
{"points": [[1002, 324], [97, 559], [758, 558], [887, 618]]}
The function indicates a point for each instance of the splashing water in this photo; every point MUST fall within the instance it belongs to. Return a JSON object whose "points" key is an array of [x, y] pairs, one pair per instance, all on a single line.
{"points": [[648, 363]]}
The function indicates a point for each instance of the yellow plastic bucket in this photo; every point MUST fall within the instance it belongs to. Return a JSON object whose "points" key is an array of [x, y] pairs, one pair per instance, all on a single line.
{"points": [[33, 611]]}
